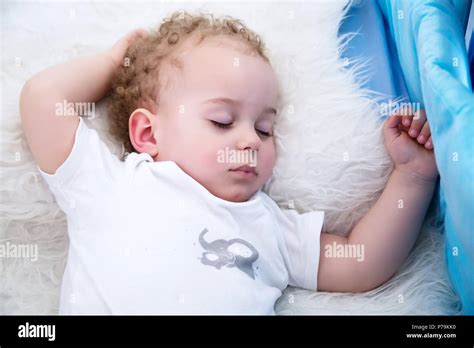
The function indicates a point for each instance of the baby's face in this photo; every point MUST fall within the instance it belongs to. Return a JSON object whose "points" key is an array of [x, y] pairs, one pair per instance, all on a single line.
{"points": [[216, 115]]}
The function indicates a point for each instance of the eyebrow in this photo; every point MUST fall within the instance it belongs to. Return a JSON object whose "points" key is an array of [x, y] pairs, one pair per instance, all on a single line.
{"points": [[235, 103]]}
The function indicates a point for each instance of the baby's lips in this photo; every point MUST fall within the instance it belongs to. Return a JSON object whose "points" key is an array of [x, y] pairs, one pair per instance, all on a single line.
{"points": [[245, 168]]}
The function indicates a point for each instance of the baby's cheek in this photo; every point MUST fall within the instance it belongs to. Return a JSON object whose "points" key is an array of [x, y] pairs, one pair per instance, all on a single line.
{"points": [[207, 163], [266, 163], [211, 158]]}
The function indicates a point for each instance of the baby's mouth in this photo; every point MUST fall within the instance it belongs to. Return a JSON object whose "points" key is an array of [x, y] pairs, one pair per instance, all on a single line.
{"points": [[246, 169], [245, 172]]}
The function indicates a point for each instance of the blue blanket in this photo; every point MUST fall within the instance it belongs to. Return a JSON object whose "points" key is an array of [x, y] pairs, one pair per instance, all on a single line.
{"points": [[417, 51]]}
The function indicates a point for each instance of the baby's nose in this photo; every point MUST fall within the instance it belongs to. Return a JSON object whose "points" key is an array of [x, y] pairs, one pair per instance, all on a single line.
{"points": [[249, 139]]}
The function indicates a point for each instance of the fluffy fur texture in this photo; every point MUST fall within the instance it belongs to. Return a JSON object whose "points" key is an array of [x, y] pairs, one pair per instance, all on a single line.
{"points": [[330, 145]]}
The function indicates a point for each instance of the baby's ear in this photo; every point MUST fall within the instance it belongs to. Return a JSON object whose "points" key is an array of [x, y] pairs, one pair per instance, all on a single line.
{"points": [[141, 127]]}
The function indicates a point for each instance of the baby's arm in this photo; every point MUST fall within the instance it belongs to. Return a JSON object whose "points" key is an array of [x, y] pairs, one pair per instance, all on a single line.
{"points": [[387, 233], [51, 136], [389, 230]]}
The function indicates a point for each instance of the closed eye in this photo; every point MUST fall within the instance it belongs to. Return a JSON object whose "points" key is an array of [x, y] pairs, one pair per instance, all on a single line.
{"points": [[228, 125], [266, 134], [221, 125]]}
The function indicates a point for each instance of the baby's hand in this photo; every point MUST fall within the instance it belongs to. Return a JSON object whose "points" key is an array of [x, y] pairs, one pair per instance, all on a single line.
{"points": [[117, 51], [408, 141]]}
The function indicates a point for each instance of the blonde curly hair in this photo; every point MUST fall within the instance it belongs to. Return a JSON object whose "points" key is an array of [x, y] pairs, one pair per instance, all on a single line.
{"points": [[138, 81]]}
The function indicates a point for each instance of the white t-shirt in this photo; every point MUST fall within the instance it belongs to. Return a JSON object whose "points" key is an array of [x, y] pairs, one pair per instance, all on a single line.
{"points": [[146, 238]]}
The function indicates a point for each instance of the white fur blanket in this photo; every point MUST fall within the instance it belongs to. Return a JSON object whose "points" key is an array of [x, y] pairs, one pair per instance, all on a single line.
{"points": [[329, 142]]}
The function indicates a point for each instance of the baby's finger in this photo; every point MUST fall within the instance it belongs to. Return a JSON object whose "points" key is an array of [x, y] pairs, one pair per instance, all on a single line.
{"points": [[407, 116], [424, 134], [406, 120], [392, 121], [390, 126], [429, 144], [419, 120]]}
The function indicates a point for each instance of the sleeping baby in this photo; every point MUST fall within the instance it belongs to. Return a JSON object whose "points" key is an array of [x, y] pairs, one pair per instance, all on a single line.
{"points": [[181, 224]]}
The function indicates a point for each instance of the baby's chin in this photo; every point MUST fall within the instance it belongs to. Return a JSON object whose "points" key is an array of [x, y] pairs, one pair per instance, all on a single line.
{"points": [[238, 195]]}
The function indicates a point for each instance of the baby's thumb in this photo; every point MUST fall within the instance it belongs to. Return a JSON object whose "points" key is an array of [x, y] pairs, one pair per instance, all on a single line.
{"points": [[390, 127]]}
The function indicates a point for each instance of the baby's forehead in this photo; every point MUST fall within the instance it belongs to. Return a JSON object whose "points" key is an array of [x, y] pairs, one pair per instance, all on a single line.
{"points": [[214, 49], [220, 66], [195, 54]]}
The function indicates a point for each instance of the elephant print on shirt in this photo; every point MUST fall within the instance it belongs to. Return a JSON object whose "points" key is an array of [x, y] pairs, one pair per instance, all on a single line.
{"points": [[231, 253]]}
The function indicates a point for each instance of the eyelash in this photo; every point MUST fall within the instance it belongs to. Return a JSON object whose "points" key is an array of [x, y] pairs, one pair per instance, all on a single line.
{"points": [[222, 125], [227, 126]]}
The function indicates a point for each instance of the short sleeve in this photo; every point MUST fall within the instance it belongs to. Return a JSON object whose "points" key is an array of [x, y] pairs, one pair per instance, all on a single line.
{"points": [[89, 173], [301, 235]]}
